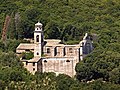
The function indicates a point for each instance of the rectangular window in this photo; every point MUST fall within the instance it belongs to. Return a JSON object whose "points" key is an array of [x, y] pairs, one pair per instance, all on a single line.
{"points": [[33, 63], [70, 50], [64, 51], [55, 51], [48, 50], [27, 50], [26, 63]]}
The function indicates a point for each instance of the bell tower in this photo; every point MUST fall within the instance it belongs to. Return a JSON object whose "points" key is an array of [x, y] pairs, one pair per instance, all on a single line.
{"points": [[38, 40]]}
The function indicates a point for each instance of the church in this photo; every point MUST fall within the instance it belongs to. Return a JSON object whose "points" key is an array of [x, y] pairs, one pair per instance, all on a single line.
{"points": [[52, 56]]}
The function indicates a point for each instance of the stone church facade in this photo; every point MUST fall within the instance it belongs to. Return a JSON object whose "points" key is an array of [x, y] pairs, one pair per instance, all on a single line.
{"points": [[58, 58]]}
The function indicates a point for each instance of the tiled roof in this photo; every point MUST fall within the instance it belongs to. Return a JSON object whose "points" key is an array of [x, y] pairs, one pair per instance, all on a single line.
{"points": [[26, 46], [56, 42]]}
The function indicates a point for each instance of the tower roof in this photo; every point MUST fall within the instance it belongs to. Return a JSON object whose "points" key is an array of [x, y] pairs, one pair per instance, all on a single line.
{"points": [[39, 24]]}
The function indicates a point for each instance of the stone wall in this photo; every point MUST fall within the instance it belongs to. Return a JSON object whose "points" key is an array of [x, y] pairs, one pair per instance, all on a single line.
{"points": [[59, 66]]}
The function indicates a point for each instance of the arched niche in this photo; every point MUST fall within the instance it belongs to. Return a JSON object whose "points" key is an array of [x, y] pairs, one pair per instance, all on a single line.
{"points": [[37, 38]]}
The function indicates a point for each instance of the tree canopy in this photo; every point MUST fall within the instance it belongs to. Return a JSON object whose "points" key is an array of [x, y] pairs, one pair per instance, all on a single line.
{"points": [[67, 20]]}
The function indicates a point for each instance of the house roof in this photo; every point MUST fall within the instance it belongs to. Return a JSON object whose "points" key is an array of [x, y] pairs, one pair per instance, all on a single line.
{"points": [[26, 46], [52, 41], [56, 42], [38, 24]]}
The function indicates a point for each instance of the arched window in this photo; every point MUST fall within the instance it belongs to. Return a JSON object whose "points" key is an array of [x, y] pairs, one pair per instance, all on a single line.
{"points": [[33, 69], [37, 28], [48, 50], [37, 38], [67, 60], [45, 61], [37, 53]]}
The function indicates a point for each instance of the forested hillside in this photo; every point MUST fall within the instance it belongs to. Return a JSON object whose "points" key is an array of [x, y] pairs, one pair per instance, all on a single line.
{"points": [[67, 20]]}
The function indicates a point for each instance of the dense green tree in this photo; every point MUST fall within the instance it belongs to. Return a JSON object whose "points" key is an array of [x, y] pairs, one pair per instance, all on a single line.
{"points": [[67, 20], [64, 82]]}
